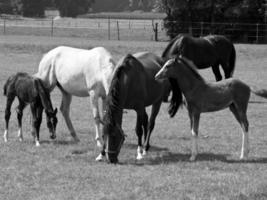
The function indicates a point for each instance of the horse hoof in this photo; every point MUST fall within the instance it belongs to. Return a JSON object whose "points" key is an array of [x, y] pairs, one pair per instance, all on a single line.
{"points": [[144, 153], [243, 157], [5, 139], [139, 157], [98, 144], [76, 139], [37, 143], [20, 139], [192, 158], [99, 158]]}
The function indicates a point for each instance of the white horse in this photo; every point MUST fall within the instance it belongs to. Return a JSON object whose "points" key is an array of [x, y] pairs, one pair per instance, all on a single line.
{"points": [[81, 73]]}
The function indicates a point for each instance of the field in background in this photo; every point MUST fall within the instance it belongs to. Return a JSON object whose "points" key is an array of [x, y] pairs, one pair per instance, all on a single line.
{"points": [[63, 170]]}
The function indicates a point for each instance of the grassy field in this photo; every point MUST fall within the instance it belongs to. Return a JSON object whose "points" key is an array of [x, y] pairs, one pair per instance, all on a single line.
{"points": [[63, 170]]}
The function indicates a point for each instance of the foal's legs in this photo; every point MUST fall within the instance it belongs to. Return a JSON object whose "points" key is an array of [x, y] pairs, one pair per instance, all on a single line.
{"points": [[19, 110], [151, 124], [94, 102], [65, 110], [241, 117], [36, 121], [216, 71], [194, 122], [141, 115], [10, 99]]}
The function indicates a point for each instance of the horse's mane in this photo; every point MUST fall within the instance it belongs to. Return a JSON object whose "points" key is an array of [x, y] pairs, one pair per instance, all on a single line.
{"points": [[114, 91], [169, 46], [177, 98], [192, 67]]}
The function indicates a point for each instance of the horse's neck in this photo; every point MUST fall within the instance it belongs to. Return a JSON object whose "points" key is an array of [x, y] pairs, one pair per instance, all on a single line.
{"points": [[44, 95], [188, 82]]}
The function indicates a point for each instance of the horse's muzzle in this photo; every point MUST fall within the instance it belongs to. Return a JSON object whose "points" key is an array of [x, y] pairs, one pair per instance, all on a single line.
{"points": [[53, 136]]}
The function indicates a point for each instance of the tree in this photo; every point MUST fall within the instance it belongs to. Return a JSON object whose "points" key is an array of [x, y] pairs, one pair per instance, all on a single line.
{"points": [[5, 7], [72, 8], [33, 8], [181, 14]]}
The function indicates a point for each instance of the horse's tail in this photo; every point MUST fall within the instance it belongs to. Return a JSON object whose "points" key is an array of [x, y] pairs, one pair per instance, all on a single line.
{"points": [[232, 61], [176, 99], [7, 83], [5, 88], [44, 95], [259, 92]]}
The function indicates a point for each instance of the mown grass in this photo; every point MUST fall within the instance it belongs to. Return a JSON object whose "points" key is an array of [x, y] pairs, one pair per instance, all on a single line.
{"points": [[63, 170]]}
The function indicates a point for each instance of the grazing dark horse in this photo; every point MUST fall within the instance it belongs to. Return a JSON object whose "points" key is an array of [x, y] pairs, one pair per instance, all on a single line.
{"points": [[133, 87], [208, 51], [29, 90], [202, 96]]}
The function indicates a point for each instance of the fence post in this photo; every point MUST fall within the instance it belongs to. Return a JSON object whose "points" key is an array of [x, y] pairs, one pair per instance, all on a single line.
{"points": [[118, 30], [108, 28], [52, 27], [155, 29], [257, 33]]}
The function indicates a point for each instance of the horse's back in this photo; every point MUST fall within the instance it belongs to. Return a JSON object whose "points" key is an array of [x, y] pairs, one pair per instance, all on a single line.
{"points": [[75, 70], [151, 64], [149, 60], [23, 86]]}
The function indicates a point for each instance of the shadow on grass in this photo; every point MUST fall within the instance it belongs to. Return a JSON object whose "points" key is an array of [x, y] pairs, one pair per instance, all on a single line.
{"points": [[258, 102], [166, 157], [152, 148], [59, 142]]}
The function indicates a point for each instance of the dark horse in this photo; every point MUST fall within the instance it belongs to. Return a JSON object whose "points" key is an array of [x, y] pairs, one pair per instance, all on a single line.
{"points": [[133, 87], [202, 96], [29, 90], [208, 51]]}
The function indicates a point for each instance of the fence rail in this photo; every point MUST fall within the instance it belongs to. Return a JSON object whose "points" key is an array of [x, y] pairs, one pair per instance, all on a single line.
{"points": [[128, 29]]}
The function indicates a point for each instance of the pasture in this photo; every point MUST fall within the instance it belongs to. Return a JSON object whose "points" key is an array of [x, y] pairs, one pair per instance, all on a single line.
{"points": [[61, 169]]}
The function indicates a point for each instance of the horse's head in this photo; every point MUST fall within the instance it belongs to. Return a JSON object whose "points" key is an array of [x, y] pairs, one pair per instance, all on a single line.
{"points": [[168, 69], [51, 117], [113, 140]]}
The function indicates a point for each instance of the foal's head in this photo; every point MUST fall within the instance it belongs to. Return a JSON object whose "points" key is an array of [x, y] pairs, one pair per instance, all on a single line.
{"points": [[168, 69], [51, 117]]}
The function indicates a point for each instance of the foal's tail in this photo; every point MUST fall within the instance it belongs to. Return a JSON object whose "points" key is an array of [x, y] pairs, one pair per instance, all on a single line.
{"points": [[259, 92], [7, 84]]}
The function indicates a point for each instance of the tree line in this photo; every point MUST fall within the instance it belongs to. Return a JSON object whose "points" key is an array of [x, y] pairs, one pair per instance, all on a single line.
{"points": [[36, 8], [182, 14]]}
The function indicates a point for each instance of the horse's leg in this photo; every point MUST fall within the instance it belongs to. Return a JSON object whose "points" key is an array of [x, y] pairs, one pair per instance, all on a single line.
{"points": [[10, 99], [94, 102], [139, 132], [216, 71], [19, 110], [240, 115], [65, 110], [151, 124], [194, 121], [145, 127], [36, 121]]}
